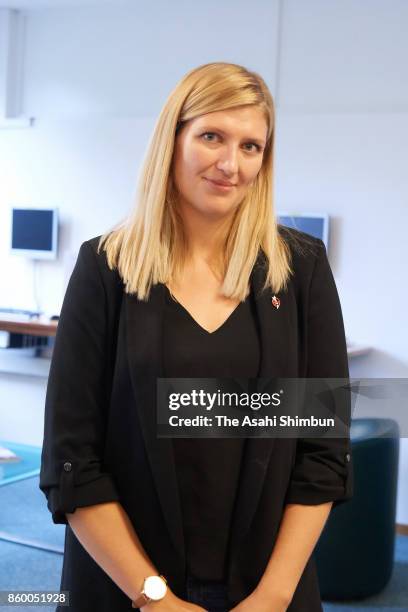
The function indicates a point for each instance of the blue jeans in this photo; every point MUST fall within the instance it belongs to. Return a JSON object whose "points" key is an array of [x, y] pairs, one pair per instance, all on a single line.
{"points": [[210, 595]]}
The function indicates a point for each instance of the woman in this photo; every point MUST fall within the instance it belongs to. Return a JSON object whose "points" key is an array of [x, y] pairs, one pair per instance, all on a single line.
{"points": [[200, 281]]}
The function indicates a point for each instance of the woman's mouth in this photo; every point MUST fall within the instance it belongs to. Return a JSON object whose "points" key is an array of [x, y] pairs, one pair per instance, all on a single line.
{"points": [[219, 186]]}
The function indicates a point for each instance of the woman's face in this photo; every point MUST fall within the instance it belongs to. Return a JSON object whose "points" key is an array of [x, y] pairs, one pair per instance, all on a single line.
{"points": [[226, 147]]}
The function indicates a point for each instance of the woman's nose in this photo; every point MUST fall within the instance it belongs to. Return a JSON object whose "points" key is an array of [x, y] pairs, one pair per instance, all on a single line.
{"points": [[228, 161]]}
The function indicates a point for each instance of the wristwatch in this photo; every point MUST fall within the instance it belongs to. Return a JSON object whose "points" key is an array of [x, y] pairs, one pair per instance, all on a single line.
{"points": [[154, 589]]}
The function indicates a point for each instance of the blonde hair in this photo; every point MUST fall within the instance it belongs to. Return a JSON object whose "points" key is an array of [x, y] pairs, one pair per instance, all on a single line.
{"points": [[150, 246]]}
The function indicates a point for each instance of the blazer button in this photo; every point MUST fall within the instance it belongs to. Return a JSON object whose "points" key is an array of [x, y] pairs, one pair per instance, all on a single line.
{"points": [[347, 457], [67, 466]]}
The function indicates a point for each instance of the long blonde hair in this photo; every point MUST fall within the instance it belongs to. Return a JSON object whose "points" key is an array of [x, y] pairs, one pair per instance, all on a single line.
{"points": [[149, 246]]}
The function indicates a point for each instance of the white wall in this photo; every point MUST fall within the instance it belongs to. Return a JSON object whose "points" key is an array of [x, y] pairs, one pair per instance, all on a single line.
{"points": [[95, 80]]}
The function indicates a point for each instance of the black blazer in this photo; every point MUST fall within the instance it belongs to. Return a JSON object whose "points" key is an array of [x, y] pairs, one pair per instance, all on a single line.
{"points": [[100, 431]]}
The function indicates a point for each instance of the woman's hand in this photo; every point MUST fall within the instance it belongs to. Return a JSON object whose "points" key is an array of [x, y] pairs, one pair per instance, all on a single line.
{"points": [[171, 603], [261, 603]]}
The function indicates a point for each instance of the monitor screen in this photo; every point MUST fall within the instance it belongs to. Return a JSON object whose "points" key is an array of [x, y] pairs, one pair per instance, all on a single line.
{"points": [[34, 232], [316, 225]]}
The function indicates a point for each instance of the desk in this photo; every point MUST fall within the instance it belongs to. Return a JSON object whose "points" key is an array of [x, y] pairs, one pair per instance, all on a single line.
{"points": [[25, 361], [33, 327]]}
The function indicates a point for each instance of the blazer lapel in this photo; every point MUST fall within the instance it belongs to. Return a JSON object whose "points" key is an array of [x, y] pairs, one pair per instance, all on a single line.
{"points": [[144, 330], [144, 321], [273, 325]]}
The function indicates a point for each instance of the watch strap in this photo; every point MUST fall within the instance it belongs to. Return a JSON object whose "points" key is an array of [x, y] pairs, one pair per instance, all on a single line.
{"points": [[142, 600]]}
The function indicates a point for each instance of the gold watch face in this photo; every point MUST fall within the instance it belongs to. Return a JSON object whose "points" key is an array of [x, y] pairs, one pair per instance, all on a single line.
{"points": [[155, 587]]}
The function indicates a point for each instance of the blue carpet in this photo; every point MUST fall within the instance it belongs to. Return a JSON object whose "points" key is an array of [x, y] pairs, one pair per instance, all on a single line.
{"points": [[24, 514], [28, 569]]}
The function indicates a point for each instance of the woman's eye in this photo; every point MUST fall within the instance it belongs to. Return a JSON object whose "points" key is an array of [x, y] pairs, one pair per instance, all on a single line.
{"points": [[251, 144], [208, 134]]}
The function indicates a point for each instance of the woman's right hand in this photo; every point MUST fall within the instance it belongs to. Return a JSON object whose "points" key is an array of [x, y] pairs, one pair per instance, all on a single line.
{"points": [[171, 603]]}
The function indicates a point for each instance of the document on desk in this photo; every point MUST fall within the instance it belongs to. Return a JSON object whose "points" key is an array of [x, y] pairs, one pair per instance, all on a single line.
{"points": [[7, 456]]}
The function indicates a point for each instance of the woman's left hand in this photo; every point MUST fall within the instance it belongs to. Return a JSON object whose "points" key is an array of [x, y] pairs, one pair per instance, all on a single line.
{"points": [[260, 603]]}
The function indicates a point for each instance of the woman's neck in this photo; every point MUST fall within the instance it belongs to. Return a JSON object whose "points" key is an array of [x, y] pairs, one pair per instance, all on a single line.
{"points": [[205, 235]]}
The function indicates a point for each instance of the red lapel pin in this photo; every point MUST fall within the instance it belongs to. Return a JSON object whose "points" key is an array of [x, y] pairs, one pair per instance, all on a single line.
{"points": [[275, 302]]}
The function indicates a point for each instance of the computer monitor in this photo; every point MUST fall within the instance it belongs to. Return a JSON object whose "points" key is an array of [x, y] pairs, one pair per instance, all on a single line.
{"points": [[315, 224], [34, 232]]}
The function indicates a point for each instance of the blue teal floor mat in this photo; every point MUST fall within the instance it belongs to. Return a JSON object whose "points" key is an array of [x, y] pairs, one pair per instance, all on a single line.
{"points": [[28, 466]]}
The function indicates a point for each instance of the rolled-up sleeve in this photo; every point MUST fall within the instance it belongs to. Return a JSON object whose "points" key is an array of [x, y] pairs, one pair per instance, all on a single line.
{"points": [[72, 472], [323, 469]]}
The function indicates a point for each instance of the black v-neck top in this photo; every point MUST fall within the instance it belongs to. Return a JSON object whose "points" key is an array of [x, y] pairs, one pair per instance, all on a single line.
{"points": [[208, 468]]}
